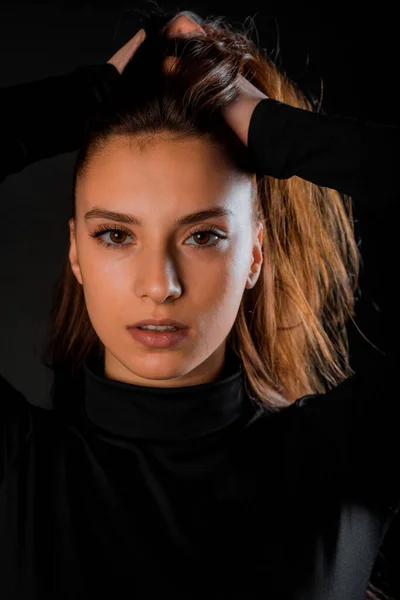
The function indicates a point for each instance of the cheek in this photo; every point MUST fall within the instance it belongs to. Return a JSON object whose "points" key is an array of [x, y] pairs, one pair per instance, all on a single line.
{"points": [[109, 289], [213, 285], [218, 279], [104, 291], [221, 292]]}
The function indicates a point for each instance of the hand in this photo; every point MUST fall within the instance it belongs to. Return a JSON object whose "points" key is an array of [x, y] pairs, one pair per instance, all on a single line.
{"points": [[238, 112], [180, 25], [125, 53]]}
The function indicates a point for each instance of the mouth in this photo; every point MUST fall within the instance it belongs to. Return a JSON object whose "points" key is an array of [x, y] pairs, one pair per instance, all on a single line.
{"points": [[164, 329], [158, 339], [159, 325]]}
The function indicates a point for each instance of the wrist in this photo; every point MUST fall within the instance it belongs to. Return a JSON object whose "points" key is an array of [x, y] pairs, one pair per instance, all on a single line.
{"points": [[238, 115]]}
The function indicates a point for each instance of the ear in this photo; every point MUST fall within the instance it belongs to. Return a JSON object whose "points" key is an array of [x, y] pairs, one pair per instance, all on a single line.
{"points": [[73, 253], [257, 256]]}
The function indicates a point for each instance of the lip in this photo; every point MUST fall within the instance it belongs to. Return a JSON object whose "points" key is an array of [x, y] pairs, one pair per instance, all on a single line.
{"points": [[158, 339], [172, 322]]}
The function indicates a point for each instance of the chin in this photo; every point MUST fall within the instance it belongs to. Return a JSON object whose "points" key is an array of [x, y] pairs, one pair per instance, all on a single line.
{"points": [[160, 367]]}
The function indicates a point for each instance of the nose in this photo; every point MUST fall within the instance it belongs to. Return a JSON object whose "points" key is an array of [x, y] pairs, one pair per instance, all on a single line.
{"points": [[158, 279]]}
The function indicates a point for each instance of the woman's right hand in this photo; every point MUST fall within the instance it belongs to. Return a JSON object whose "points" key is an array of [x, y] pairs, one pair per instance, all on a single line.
{"points": [[180, 25]]}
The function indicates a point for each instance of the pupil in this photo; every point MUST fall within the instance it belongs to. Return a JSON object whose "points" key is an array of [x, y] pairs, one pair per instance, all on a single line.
{"points": [[116, 233], [200, 233]]}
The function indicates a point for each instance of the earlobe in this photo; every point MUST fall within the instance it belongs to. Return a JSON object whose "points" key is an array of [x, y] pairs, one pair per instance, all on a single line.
{"points": [[73, 255], [257, 258], [254, 275], [74, 263], [255, 269]]}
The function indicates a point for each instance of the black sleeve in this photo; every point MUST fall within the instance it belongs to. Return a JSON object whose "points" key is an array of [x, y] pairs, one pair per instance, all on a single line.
{"points": [[353, 157], [354, 428], [43, 118], [15, 426]]}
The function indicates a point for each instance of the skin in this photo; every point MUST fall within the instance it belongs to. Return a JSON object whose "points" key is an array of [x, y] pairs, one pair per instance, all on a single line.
{"points": [[238, 112], [159, 272]]}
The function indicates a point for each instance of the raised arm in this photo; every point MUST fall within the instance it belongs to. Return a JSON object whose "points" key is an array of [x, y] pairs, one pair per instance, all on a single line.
{"points": [[354, 427], [38, 120], [351, 156], [44, 118]]}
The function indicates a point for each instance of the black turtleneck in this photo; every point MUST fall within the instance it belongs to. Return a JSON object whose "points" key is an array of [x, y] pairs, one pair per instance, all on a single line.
{"points": [[156, 413], [196, 492]]}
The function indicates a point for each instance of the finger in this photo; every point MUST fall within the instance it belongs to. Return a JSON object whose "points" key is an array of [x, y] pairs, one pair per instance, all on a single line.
{"points": [[169, 63], [140, 37], [182, 25]]}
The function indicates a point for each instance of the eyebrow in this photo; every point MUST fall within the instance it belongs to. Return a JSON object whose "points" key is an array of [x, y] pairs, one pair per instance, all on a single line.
{"points": [[208, 213]]}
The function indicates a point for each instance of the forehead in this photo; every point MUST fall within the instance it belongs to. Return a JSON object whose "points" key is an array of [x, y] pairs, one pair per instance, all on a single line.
{"points": [[162, 172]]}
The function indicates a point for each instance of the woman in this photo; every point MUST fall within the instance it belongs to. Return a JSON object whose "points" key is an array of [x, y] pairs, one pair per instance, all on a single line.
{"points": [[232, 458]]}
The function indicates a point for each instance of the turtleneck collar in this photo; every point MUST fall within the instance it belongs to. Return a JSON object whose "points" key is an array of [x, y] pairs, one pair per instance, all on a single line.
{"points": [[179, 413]]}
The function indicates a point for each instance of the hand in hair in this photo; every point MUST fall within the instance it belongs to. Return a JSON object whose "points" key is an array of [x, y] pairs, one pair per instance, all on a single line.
{"points": [[180, 25], [238, 112]]}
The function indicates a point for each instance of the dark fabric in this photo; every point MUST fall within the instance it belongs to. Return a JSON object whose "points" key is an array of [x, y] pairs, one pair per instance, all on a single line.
{"points": [[196, 492], [182, 413], [37, 131]]}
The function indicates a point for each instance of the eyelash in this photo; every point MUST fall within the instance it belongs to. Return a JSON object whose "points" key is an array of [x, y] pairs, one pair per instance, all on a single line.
{"points": [[103, 229]]}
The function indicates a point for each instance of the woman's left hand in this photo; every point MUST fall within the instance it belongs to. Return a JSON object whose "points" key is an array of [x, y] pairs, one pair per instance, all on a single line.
{"points": [[238, 112]]}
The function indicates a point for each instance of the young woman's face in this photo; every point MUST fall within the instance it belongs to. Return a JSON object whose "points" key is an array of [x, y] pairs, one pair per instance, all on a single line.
{"points": [[161, 269]]}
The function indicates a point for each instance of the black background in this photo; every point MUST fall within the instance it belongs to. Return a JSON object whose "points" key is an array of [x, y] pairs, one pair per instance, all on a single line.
{"points": [[348, 61]]}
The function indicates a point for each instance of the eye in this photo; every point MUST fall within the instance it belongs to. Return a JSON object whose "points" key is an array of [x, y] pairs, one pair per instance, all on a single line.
{"points": [[105, 229], [211, 230]]}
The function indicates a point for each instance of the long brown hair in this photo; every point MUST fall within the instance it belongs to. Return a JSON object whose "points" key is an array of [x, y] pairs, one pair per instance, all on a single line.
{"points": [[290, 330]]}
